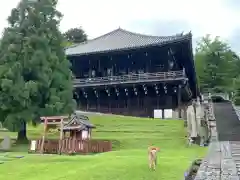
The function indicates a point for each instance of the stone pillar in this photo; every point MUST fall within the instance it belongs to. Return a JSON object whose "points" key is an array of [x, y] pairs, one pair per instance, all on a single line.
{"points": [[185, 116], [202, 123], [191, 122], [198, 111], [208, 115]]}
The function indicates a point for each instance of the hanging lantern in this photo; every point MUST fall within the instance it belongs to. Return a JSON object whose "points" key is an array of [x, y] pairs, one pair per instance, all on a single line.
{"points": [[165, 89], [85, 94], [156, 89], [145, 89], [96, 93], [126, 91], [117, 91], [174, 89], [135, 91]]}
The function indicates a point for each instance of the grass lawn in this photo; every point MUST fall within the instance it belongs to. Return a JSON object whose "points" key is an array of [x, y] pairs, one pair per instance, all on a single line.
{"points": [[128, 161]]}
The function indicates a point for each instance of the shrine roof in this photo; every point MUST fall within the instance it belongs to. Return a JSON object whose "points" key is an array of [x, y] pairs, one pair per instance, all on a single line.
{"points": [[78, 122], [121, 39]]}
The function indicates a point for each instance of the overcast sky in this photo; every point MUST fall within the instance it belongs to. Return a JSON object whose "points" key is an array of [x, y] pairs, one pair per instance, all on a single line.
{"points": [[156, 17]]}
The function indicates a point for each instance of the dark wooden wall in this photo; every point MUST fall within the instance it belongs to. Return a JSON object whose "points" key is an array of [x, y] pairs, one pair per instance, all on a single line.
{"points": [[150, 59], [137, 100]]}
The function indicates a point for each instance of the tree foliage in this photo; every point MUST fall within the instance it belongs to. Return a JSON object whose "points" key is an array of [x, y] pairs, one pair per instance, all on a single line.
{"points": [[35, 76], [216, 65], [75, 35]]}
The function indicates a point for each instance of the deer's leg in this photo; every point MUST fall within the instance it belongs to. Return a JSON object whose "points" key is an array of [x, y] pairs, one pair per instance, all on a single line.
{"points": [[154, 162], [150, 160]]}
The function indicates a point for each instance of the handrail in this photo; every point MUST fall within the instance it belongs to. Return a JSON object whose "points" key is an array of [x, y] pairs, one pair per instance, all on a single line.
{"points": [[158, 76]]}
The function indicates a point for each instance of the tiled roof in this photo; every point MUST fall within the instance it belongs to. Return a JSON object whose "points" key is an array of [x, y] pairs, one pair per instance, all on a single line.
{"points": [[79, 122], [120, 39]]}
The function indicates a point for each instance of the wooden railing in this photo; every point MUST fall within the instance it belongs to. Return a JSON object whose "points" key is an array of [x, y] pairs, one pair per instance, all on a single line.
{"points": [[69, 145], [130, 78]]}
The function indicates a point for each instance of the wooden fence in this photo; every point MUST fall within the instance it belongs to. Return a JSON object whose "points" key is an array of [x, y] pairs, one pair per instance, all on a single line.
{"points": [[69, 146]]}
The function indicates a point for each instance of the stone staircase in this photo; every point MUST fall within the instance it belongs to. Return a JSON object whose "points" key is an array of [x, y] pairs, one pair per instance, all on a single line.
{"points": [[223, 159], [228, 124]]}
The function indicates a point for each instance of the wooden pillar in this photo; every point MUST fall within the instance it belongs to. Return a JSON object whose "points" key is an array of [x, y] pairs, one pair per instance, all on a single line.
{"points": [[44, 134], [98, 104], [128, 105], [142, 104], [61, 137], [147, 103], [138, 108], [158, 98], [179, 101], [86, 108], [109, 104], [98, 101], [116, 101]]}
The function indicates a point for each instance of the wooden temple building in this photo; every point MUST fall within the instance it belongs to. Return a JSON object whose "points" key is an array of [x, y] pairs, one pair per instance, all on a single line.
{"points": [[128, 73]]}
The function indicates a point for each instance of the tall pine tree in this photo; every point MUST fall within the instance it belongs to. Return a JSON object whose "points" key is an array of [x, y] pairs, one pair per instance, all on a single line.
{"points": [[35, 76]]}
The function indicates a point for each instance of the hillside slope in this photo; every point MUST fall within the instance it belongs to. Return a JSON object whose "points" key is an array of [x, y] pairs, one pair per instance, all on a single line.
{"points": [[128, 161]]}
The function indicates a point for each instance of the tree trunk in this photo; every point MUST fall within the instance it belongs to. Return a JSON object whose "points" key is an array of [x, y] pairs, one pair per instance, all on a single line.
{"points": [[22, 134]]}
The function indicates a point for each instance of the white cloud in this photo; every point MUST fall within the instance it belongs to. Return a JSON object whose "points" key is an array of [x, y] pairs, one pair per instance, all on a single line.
{"points": [[99, 17], [5, 11]]}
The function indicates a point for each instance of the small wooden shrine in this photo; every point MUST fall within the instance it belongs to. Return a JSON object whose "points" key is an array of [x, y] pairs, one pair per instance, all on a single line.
{"points": [[75, 136], [79, 127]]}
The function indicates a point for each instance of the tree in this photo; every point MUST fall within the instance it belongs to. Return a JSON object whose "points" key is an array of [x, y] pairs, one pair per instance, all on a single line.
{"points": [[215, 65], [35, 76], [75, 35]]}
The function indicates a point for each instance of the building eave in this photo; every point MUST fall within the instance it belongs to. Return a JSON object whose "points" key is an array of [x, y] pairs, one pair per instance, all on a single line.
{"points": [[128, 41]]}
